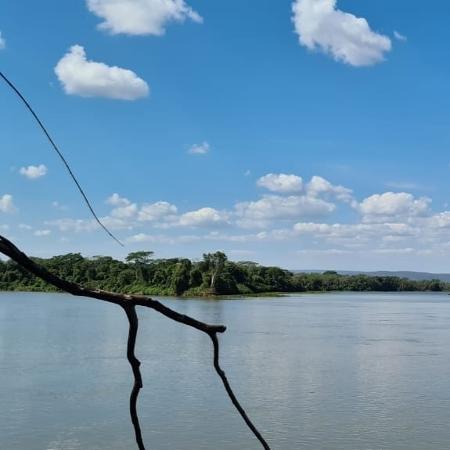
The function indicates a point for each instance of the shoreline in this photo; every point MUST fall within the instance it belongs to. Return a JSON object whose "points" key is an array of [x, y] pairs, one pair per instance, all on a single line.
{"points": [[246, 295]]}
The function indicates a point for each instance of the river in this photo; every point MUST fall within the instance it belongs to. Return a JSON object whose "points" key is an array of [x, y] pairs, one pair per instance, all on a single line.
{"points": [[329, 371]]}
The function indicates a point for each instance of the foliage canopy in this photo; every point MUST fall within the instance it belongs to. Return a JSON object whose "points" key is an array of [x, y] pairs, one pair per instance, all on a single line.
{"points": [[215, 274]]}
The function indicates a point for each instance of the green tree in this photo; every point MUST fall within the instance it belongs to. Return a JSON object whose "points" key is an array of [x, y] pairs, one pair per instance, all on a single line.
{"points": [[140, 260], [214, 264], [181, 276], [139, 257]]}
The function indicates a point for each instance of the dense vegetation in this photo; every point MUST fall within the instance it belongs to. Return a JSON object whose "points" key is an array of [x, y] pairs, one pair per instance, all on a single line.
{"points": [[214, 275]]}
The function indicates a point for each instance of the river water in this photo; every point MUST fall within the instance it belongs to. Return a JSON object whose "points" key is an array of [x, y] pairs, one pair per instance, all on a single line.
{"points": [[331, 371]]}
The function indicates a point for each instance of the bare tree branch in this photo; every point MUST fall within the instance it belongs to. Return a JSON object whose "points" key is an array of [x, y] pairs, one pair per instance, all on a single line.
{"points": [[129, 303], [231, 394], [135, 364], [10, 250]]}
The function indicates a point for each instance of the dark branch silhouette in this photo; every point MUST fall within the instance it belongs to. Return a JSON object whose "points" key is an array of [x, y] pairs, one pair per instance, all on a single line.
{"points": [[129, 303], [230, 392], [58, 151], [135, 364]]}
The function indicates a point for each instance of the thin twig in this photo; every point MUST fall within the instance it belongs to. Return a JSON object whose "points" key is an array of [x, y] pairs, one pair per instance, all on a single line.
{"points": [[231, 394], [58, 151], [129, 302], [135, 364]]}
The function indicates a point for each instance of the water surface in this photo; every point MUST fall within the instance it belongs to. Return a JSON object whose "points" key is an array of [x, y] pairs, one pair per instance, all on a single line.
{"points": [[332, 371]]}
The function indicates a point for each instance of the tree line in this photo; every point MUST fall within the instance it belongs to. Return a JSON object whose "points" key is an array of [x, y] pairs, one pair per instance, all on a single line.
{"points": [[213, 275]]}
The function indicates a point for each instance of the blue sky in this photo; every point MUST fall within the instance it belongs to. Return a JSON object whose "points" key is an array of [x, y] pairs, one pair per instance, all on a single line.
{"points": [[311, 134]]}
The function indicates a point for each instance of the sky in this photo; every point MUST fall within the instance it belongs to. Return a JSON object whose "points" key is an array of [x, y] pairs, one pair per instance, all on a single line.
{"points": [[308, 134]]}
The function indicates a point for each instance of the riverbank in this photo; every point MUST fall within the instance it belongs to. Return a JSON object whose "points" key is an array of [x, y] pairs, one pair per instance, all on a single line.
{"points": [[213, 276]]}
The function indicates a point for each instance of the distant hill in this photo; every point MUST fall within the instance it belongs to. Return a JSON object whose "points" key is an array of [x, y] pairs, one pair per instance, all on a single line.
{"points": [[415, 276]]}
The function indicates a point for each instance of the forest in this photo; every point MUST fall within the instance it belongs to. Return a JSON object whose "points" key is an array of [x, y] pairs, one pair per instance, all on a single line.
{"points": [[215, 274]]}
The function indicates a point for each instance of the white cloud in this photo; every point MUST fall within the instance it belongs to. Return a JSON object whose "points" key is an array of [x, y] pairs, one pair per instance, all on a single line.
{"points": [[281, 183], [348, 233], [7, 204], [203, 217], [320, 186], [394, 251], [275, 207], [116, 200], [293, 184], [441, 220], [125, 212], [34, 172], [42, 233], [80, 76], [140, 237], [305, 201], [391, 206], [123, 220], [156, 239], [141, 17], [400, 37], [390, 229], [349, 39], [74, 225], [312, 199], [199, 149], [124, 209], [403, 185], [2, 41], [157, 211], [148, 212], [325, 252], [55, 204]]}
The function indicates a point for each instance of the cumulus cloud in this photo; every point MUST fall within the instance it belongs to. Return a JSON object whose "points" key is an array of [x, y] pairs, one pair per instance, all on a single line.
{"points": [[131, 216], [203, 217], [141, 17], [123, 208], [34, 172], [148, 212], [281, 183], [276, 207], [359, 232], [391, 206], [387, 224], [347, 38], [116, 200], [440, 220], [7, 204], [320, 186], [293, 184], [2, 41], [125, 212], [301, 200], [85, 78], [423, 236], [151, 212], [199, 149]]}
